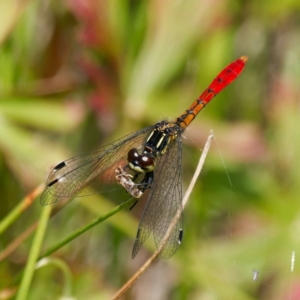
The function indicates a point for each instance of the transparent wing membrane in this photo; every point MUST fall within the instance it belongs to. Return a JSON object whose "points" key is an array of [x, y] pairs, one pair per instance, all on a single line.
{"points": [[92, 173], [163, 203]]}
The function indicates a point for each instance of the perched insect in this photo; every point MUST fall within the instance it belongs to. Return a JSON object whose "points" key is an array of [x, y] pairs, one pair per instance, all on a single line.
{"points": [[148, 160]]}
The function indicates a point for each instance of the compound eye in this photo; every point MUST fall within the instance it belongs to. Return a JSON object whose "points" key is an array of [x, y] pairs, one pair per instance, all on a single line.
{"points": [[132, 154], [146, 162]]}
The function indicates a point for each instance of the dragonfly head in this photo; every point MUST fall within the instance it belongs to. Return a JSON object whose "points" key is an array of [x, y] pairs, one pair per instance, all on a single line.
{"points": [[140, 163]]}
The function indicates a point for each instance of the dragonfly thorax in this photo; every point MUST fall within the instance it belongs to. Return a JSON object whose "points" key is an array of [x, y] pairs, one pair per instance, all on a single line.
{"points": [[160, 137]]}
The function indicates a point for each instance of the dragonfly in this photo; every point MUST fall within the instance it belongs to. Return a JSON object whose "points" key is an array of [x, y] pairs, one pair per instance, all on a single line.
{"points": [[146, 163]]}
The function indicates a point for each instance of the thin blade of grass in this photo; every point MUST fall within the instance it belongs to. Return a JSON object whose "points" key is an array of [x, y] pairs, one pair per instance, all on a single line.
{"points": [[33, 255], [19, 240], [135, 277], [18, 210], [85, 228]]}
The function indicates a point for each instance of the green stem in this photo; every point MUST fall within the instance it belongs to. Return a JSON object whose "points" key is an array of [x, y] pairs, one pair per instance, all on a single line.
{"points": [[11, 217], [16, 212], [85, 228], [33, 255], [67, 289]]}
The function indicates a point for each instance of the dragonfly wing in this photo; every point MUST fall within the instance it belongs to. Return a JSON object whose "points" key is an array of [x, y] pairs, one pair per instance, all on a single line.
{"points": [[164, 201], [84, 175]]}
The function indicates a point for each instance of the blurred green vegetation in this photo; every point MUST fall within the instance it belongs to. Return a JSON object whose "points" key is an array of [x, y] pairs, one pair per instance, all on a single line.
{"points": [[77, 74]]}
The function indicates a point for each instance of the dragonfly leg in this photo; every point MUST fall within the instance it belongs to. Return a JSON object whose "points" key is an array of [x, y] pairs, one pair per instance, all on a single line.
{"points": [[146, 184]]}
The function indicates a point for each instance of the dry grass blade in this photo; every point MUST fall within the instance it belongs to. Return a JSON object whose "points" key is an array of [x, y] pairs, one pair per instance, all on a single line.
{"points": [[20, 208], [134, 278], [19, 240]]}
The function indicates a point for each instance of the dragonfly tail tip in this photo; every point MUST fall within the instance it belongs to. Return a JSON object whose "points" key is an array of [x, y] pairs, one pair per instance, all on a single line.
{"points": [[244, 58]]}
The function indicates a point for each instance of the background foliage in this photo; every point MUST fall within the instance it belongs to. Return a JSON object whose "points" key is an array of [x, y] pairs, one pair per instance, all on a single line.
{"points": [[77, 74]]}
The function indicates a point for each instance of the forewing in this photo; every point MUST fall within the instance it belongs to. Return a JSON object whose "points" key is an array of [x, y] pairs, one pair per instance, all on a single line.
{"points": [[164, 201], [92, 173]]}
